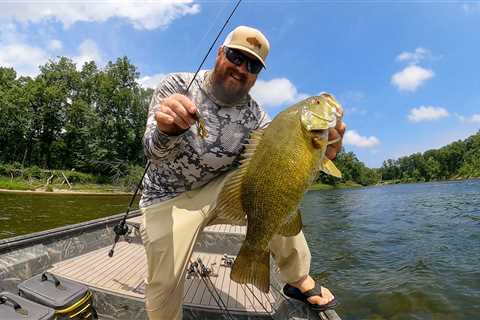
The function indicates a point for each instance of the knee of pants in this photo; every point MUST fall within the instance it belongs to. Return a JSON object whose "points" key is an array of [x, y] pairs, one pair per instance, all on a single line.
{"points": [[164, 295]]}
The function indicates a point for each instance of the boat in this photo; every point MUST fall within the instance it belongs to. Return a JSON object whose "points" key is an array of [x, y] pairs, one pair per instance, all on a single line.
{"points": [[79, 253]]}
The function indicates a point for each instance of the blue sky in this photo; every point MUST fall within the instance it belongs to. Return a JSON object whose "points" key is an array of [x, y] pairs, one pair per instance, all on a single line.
{"points": [[407, 73]]}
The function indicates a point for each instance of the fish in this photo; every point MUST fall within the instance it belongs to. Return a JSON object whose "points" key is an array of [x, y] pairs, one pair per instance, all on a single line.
{"points": [[279, 164]]}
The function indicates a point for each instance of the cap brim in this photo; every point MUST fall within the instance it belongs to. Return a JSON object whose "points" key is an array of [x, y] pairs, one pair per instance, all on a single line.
{"points": [[241, 48]]}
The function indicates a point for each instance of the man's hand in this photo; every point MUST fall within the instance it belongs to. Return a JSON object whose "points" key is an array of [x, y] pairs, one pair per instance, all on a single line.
{"points": [[334, 133], [176, 114]]}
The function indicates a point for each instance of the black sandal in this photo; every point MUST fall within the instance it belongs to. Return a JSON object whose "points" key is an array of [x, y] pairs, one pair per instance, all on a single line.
{"points": [[295, 293]]}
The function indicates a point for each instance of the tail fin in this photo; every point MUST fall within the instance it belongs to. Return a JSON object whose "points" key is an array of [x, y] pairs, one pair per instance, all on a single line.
{"points": [[252, 266]]}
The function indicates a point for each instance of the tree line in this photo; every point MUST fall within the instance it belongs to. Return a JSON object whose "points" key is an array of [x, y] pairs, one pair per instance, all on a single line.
{"points": [[458, 160], [88, 119], [352, 170], [91, 119]]}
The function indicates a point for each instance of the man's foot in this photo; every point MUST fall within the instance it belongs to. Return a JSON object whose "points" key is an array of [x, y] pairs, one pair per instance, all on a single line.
{"points": [[323, 298]]}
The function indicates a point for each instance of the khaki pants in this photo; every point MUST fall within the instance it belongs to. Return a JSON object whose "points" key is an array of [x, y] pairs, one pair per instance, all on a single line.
{"points": [[169, 231]]}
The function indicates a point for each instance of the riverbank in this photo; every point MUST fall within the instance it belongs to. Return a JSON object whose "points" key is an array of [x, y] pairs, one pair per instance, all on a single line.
{"points": [[456, 178], [70, 192], [343, 185], [18, 185], [22, 186]]}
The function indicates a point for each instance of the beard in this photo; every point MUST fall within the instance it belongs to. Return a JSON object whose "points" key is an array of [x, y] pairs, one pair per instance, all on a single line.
{"points": [[228, 85]]}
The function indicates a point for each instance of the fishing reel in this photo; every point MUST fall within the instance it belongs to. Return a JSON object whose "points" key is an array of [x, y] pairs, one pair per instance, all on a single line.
{"points": [[198, 269], [120, 229], [227, 261]]}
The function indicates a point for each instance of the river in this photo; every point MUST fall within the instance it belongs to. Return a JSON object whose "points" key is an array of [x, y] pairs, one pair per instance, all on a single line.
{"points": [[389, 252], [22, 213]]}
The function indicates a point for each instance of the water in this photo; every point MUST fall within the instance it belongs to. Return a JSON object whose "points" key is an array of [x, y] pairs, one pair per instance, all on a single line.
{"points": [[391, 252], [23, 213], [398, 252]]}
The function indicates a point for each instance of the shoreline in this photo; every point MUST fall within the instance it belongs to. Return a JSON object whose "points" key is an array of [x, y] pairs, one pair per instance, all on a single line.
{"points": [[67, 192]]}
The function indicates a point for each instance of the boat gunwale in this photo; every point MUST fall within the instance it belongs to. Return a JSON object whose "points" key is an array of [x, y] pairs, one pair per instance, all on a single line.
{"points": [[42, 237]]}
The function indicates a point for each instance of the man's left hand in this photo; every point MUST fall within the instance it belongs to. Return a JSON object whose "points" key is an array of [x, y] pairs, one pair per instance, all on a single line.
{"points": [[334, 133]]}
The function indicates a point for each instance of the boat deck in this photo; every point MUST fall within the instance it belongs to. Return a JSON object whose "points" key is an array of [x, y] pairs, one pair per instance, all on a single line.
{"points": [[125, 272], [122, 277]]}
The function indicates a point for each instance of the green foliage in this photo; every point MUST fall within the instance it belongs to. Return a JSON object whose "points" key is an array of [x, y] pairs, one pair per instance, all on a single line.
{"points": [[353, 170], [459, 159], [90, 120], [14, 184], [132, 177]]}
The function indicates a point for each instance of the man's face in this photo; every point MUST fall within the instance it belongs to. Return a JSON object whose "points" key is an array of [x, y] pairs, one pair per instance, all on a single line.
{"points": [[234, 81]]}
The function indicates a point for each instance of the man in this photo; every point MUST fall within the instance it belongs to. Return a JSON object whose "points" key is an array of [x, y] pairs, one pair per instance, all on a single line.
{"points": [[188, 171]]}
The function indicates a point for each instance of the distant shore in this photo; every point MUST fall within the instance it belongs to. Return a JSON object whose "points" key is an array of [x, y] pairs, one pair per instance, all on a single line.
{"points": [[65, 192], [343, 185]]}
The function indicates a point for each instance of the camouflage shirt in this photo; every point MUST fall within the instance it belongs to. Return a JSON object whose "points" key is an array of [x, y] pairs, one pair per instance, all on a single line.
{"points": [[185, 162]]}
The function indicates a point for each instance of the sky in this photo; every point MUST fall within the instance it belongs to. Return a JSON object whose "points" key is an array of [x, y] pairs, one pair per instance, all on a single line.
{"points": [[406, 72]]}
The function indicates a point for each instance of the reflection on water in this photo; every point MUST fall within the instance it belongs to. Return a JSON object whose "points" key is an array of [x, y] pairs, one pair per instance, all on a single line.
{"points": [[398, 252], [23, 213]]}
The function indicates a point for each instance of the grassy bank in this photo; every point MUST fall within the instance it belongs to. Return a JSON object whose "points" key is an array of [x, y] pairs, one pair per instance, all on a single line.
{"points": [[345, 185], [36, 179], [13, 177], [23, 185], [15, 184]]}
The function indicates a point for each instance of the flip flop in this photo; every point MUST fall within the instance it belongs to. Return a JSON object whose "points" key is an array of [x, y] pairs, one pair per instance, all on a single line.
{"points": [[292, 292]]}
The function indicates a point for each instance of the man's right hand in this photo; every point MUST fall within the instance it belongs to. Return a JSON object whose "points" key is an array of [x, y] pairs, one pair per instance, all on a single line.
{"points": [[176, 114]]}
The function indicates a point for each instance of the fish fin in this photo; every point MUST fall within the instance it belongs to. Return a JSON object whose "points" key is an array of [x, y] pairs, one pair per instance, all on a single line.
{"points": [[229, 202], [329, 168], [252, 266], [293, 226]]}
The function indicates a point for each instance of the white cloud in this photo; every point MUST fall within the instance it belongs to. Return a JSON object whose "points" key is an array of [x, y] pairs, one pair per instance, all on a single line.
{"points": [[276, 92], [55, 45], [471, 7], [410, 78], [141, 14], [414, 57], [23, 58], [151, 81], [473, 119], [356, 110], [355, 139], [427, 113], [88, 51]]}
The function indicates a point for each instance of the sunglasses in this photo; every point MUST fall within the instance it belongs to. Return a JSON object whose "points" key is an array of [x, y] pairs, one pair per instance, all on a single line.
{"points": [[237, 58]]}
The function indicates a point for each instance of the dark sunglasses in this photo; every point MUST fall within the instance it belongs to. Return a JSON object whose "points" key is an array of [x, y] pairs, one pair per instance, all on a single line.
{"points": [[237, 58]]}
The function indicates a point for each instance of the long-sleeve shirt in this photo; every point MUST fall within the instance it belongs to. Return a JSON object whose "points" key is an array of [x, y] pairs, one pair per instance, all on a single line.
{"points": [[187, 161]]}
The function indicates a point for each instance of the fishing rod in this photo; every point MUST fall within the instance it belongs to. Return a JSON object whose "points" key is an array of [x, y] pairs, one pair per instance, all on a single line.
{"points": [[121, 229]]}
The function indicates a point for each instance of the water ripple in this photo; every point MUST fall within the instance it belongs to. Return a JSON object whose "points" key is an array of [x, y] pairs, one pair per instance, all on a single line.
{"points": [[399, 252]]}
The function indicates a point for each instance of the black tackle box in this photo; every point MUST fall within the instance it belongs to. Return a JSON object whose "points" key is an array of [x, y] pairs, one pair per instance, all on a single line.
{"points": [[13, 307], [69, 299]]}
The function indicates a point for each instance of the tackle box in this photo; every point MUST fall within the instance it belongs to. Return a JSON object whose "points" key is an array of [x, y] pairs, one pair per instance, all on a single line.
{"points": [[69, 299], [13, 307]]}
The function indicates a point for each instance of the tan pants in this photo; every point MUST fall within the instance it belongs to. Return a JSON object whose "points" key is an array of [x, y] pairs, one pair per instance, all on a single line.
{"points": [[169, 232]]}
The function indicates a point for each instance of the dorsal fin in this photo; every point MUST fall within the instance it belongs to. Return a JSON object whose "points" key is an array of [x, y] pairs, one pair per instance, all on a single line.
{"points": [[229, 201]]}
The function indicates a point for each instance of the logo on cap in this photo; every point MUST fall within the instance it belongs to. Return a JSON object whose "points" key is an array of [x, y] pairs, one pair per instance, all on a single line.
{"points": [[254, 42]]}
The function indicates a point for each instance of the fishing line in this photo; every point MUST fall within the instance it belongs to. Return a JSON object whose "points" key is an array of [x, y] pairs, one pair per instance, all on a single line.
{"points": [[203, 273], [121, 229], [258, 300], [206, 34]]}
